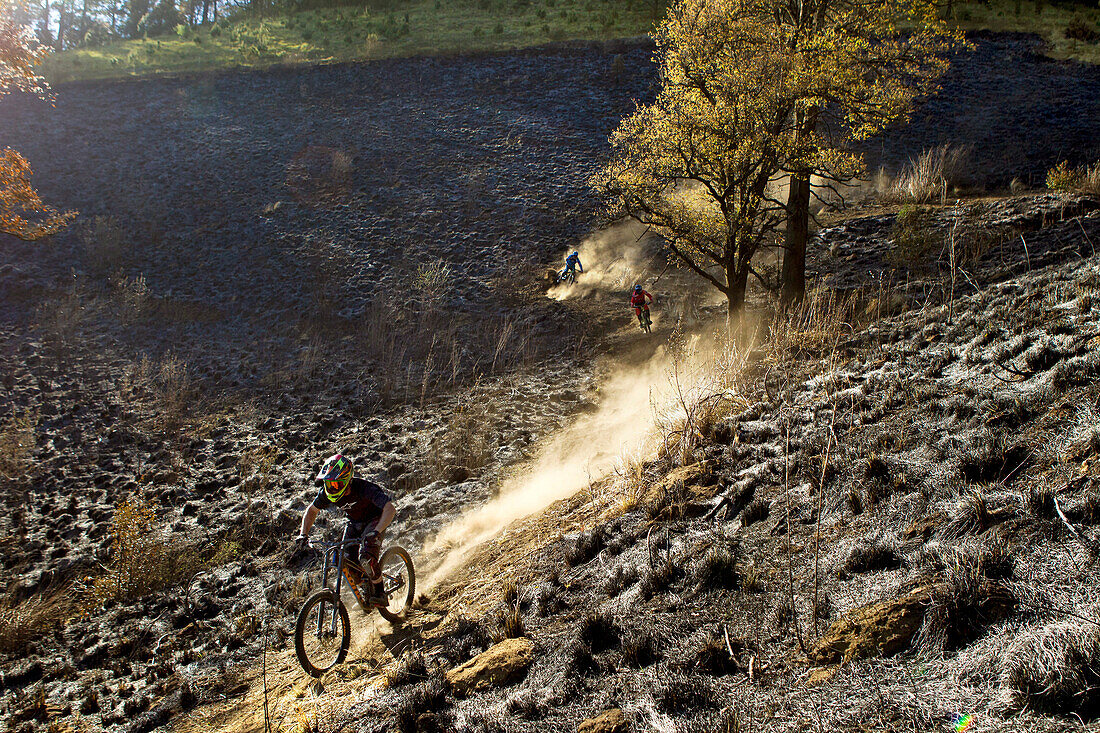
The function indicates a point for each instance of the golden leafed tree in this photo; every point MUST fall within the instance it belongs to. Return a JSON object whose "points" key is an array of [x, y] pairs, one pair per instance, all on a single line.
{"points": [[755, 93], [863, 65], [700, 164], [22, 212]]}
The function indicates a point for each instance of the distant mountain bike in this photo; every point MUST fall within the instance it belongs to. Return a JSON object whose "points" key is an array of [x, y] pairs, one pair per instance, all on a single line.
{"points": [[322, 634], [644, 320], [567, 277]]}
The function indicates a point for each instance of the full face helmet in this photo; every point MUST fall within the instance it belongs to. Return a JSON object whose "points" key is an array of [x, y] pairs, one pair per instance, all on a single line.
{"points": [[336, 475], [637, 288], [575, 254]]}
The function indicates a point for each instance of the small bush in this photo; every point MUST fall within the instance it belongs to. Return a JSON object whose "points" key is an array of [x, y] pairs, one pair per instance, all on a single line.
{"points": [[143, 558], [1062, 177], [599, 631]]}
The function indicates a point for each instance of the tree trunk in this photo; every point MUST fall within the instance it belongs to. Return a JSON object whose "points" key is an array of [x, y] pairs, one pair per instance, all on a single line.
{"points": [[798, 223], [737, 278], [205, 11], [47, 36], [798, 233], [62, 27], [84, 22]]}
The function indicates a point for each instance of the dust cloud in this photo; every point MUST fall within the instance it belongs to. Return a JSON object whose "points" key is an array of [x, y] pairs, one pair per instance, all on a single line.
{"points": [[577, 455], [634, 403], [613, 259]]}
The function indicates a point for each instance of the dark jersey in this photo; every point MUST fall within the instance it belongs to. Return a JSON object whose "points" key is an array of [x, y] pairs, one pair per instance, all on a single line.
{"points": [[363, 502]]}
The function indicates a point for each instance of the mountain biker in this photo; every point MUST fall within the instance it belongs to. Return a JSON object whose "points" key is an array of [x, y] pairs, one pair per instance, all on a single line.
{"points": [[572, 261], [638, 301], [369, 511]]}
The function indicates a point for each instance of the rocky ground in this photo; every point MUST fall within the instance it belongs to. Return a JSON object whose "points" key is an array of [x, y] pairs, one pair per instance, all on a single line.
{"points": [[269, 252], [899, 533]]}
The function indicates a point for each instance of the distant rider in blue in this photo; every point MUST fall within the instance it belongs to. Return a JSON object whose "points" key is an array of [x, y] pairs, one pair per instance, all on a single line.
{"points": [[572, 262]]}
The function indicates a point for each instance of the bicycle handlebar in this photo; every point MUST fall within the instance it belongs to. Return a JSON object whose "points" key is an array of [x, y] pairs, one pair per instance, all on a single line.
{"points": [[322, 545], [331, 544]]}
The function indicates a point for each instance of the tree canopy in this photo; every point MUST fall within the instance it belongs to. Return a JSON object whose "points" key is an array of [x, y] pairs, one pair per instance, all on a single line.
{"points": [[753, 91], [22, 212]]}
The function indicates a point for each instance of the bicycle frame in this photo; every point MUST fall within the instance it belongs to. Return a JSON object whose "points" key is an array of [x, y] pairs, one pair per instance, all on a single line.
{"points": [[333, 559]]}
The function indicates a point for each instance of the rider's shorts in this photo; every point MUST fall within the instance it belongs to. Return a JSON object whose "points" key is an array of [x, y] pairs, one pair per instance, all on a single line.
{"points": [[371, 546]]}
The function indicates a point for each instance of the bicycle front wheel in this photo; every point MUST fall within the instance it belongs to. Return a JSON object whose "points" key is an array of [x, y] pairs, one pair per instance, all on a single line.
{"points": [[322, 634], [399, 582]]}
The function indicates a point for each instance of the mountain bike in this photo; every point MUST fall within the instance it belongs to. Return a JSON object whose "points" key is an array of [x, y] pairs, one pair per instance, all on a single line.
{"points": [[322, 634], [644, 320]]}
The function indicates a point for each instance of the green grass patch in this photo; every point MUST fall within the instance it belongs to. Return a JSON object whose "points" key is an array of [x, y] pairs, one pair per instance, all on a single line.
{"points": [[426, 27], [1050, 21], [434, 27]]}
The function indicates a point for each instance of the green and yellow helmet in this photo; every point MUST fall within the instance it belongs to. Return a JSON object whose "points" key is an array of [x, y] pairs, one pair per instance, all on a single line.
{"points": [[336, 476]]}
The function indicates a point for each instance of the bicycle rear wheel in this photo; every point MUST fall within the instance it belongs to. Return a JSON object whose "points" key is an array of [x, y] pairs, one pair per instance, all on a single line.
{"points": [[322, 634], [399, 582]]}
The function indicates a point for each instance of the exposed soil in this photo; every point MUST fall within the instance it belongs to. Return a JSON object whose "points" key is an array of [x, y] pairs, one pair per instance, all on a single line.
{"points": [[282, 242]]}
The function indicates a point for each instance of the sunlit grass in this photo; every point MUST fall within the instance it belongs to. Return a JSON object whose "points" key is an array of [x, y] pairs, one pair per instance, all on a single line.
{"points": [[1042, 18], [345, 34], [432, 27]]}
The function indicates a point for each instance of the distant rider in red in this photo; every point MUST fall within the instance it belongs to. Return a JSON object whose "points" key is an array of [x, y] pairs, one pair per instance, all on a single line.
{"points": [[369, 512], [640, 299]]}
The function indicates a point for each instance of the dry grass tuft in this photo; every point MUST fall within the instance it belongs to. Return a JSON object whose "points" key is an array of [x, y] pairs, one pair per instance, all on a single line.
{"points": [[599, 631], [510, 621], [639, 648], [1055, 668], [23, 622], [718, 569], [965, 603], [881, 552], [757, 511], [411, 667], [929, 176], [585, 546], [17, 442]]}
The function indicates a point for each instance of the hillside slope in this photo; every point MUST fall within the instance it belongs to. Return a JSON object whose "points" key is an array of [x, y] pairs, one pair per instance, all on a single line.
{"points": [[901, 534]]}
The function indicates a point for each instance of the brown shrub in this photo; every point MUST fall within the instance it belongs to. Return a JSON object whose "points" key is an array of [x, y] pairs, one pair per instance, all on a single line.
{"points": [[143, 557]]}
